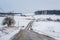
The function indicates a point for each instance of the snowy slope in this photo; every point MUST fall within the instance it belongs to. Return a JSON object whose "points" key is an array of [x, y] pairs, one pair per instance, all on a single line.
{"points": [[49, 28], [6, 33], [22, 21], [9, 32]]}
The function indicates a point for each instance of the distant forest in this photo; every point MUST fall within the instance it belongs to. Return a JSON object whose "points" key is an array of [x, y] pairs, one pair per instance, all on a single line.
{"points": [[56, 12]]}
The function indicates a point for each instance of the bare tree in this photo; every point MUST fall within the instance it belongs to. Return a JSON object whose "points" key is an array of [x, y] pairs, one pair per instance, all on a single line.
{"points": [[9, 21]]}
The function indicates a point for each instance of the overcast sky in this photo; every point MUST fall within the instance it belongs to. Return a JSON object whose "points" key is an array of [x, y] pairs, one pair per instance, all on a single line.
{"points": [[28, 6]]}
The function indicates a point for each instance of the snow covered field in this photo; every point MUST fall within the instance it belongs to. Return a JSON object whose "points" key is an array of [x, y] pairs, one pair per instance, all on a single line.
{"points": [[50, 28], [6, 33]]}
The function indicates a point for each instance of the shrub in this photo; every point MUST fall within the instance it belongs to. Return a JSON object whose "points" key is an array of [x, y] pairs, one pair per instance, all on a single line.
{"points": [[9, 21], [58, 20], [49, 19]]}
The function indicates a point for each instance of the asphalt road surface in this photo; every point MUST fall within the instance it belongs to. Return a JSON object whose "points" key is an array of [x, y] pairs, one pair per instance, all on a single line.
{"points": [[27, 34], [30, 35]]}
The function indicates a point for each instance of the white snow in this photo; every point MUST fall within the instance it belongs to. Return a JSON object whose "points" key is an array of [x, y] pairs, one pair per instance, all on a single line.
{"points": [[22, 21], [47, 16], [1, 20], [50, 28], [10, 34], [6, 33]]}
